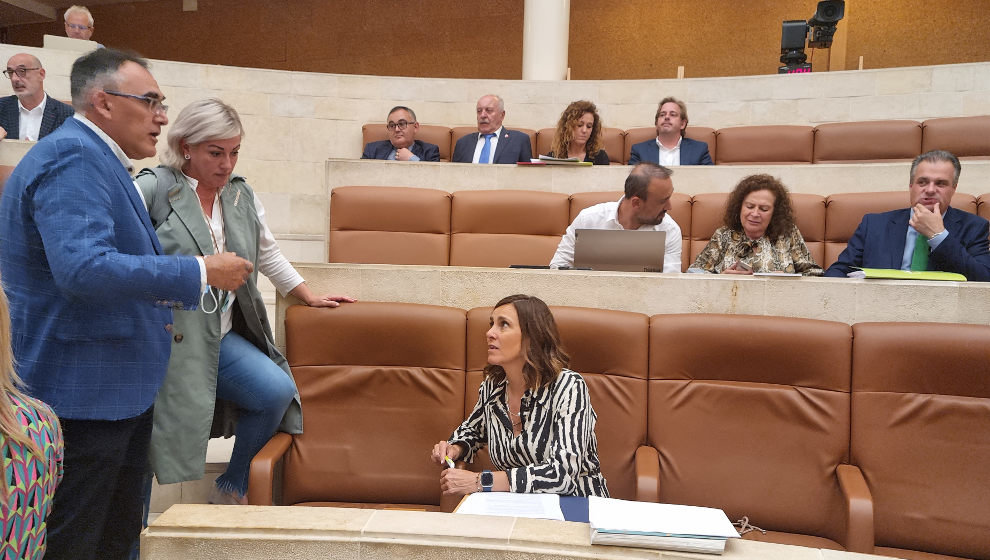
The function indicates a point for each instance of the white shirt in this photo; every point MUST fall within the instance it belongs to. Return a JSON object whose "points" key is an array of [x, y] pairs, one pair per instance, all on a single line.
{"points": [[271, 262], [670, 156], [606, 216], [481, 144], [29, 125]]}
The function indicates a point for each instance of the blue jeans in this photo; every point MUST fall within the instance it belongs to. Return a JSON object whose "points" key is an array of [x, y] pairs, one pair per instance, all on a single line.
{"points": [[262, 393]]}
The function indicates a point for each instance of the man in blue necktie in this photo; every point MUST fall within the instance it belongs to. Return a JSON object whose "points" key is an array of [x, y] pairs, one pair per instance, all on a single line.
{"points": [[927, 236], [492, 143]]}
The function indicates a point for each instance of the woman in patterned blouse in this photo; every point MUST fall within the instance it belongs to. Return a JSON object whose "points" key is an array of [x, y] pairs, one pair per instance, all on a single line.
{"points": [[757, 234], [533, 413], [31, 443]]}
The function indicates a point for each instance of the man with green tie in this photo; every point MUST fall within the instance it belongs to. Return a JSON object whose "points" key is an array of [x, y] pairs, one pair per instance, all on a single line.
{"points": [[930, 235]]}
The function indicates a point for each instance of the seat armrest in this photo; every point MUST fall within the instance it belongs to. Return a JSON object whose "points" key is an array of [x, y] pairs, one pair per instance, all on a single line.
{"points": [[261, 477], [647, 474], [859, 508]]}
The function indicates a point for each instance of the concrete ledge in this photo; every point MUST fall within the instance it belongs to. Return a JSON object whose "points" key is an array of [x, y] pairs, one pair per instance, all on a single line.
{"points": [[833, 299], [194, 532]]}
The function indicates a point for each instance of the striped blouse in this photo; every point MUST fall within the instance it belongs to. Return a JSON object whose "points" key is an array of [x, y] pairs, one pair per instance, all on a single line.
{"points": [[555, 453]]}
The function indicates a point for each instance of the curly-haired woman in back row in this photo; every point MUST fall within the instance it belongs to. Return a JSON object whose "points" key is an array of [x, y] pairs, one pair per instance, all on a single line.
{"points": [[579, 134]]}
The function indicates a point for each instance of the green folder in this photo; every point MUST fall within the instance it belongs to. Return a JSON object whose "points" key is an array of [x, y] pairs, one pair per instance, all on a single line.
{"points": [[894, 274]]}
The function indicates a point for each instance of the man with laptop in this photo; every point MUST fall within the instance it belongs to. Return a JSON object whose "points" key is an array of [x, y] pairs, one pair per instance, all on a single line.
{"points": [[642, 209]]}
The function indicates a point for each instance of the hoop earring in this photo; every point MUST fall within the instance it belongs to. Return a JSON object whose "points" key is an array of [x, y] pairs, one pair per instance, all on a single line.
{"points": [[186, 156]]}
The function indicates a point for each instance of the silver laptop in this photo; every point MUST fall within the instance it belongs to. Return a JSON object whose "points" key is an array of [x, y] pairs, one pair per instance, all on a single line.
{"points": [[619, 249]]}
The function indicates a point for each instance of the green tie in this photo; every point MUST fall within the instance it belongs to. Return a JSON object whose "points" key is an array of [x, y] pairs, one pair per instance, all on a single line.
{"points": [[919, 260]]}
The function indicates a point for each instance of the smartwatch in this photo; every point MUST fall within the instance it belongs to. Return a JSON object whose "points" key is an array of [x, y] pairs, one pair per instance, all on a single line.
{"points": [[487, 480]]}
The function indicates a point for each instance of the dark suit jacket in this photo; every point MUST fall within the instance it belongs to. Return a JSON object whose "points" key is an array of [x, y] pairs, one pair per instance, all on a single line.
{"points": [[513, 146], [91, 293], [693, 152], [879, 243], [380, 150], [55, 114]]}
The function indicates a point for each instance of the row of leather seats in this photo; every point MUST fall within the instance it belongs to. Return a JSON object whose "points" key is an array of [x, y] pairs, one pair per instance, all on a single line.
{"points": [[842, 142], [824, 434], [404, 225]]}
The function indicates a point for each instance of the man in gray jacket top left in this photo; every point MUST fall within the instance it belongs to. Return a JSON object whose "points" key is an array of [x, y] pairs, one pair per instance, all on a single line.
{"points": [[29, 114], [91, 297]]}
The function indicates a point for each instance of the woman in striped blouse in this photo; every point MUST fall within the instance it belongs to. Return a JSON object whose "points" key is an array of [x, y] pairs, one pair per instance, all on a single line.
{"points": [[533, 413]]}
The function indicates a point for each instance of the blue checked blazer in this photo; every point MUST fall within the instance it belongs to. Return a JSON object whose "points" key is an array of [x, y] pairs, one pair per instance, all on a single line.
{"points": [[91, 293]]}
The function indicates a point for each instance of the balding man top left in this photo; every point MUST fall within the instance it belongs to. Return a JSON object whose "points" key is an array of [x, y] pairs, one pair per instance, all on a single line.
{"points": [[29, 114]]}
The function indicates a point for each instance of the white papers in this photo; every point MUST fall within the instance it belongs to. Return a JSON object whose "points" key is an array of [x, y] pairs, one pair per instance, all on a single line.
{"points": [[537, 506], [608, 514]]}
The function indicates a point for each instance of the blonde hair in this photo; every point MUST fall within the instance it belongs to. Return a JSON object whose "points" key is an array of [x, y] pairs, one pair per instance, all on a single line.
{"points": [[10, 389], [198, 122]]}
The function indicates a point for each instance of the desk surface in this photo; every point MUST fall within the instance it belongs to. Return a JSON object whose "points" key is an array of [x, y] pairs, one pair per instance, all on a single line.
{"points": [[194, 532]]}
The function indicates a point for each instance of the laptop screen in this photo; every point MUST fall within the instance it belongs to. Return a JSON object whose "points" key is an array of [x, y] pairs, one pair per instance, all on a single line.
{"points": [[623, 250]]}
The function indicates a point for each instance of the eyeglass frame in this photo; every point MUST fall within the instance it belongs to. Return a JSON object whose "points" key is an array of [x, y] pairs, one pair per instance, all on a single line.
{"points": [[20, 71], [78, 27], [398, 125], [155, 105]]}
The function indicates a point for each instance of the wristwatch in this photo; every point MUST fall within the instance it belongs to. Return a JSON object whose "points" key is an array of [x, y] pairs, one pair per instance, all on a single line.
{"points": [[487, 480]]}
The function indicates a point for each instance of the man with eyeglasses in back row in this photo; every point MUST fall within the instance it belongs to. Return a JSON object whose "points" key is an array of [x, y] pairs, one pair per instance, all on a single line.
{"points": [[29, 114], [402, 144], [91, 296]]}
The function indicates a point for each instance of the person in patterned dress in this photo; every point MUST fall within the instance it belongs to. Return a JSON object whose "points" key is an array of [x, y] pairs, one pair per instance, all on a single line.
{"points": [[31, 444], [758, 234], [533, 413]]}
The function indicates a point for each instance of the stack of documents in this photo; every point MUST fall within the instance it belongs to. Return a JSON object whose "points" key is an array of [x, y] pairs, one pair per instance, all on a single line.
{"points": [[616, 522], [662, 526]]}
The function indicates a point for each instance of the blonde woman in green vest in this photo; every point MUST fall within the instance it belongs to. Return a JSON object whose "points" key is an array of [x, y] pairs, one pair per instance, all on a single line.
{"points": [[224, 349]]}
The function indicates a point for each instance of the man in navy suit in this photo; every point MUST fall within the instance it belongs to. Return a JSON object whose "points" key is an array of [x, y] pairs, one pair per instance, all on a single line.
{"points": [[401, 144], [492, 143], [91, 297], [953, 240], [29, 114], [670, 146]]}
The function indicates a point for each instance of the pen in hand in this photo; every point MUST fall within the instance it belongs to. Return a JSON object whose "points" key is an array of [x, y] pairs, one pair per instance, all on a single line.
{"points": [[450, 462]]}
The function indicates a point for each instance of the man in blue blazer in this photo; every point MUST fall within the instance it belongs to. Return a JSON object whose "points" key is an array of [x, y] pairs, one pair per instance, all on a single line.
{"points": [[91, 297], [953, 240], [492, 143], [30, 104], [401, 144], [671, 147]]}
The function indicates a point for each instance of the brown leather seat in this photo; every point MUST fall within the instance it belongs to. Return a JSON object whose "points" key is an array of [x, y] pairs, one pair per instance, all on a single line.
{"points": [[921, 435], [867, 141], [637, 135], [765, 144], [5, 171], [505, 227], [380, 384], [750, 415], [431, 133], [966, 137], [608, 348], [984, 206], [391, 225]]}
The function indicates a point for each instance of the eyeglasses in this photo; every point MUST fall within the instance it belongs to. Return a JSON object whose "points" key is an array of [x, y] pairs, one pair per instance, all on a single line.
{"points": [[77, 27], [20, 71], [401, 125], [155, 104]]}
